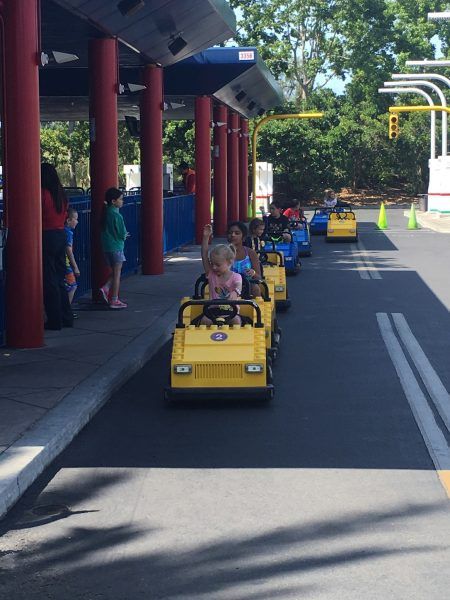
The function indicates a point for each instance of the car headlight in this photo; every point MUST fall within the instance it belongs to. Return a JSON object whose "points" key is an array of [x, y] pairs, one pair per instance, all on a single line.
{"points": [[279, 288], [352, 230], [254, 368], [305, 243], [331, 231], [182, 369]]}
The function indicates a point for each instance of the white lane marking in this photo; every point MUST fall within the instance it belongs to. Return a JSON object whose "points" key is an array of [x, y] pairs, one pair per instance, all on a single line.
{"points": [[373, 272], [431, 433], [360, 266], [431, 379]]}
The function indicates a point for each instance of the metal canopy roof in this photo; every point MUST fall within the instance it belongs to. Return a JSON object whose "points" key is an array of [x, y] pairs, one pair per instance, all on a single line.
{"points": [[235, 76], [148, 32]]}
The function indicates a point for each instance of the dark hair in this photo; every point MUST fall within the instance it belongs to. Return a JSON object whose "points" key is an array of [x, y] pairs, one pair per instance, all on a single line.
{"points": [[110, 195], [254, 224], [294, 202], [184, 165], [276, 203], [240, 225], [50, 181]]}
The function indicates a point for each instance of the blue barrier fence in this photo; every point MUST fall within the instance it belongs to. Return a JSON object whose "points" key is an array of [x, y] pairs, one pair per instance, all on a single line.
{"points": [[179, 230]]}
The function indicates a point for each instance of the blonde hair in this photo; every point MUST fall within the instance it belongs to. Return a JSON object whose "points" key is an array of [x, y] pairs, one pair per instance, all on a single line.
{"points": [[223, 251]]}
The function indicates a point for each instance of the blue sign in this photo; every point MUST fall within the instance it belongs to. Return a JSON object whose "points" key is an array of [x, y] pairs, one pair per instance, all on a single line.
{"points": [[219, 337]]}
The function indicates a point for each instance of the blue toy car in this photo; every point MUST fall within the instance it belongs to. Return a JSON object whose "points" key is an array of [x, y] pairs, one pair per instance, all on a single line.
{"points": [[319, 222], [303, 239], [290, 252]]}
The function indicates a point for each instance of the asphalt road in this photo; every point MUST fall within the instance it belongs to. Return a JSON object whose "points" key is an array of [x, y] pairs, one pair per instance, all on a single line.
{"points": [[330, 492]]}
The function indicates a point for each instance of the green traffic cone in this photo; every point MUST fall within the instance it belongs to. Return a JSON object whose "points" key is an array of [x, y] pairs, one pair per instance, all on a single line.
{"points": [[412, 222], [382, 219]]}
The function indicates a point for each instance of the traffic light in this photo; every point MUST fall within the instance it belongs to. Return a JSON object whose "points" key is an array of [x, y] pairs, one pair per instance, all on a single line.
{"points": [[393, 127]]}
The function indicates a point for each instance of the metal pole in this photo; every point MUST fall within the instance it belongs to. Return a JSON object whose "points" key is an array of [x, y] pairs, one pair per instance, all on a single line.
{"points": [[220, 170], [151, 172], [202, 164], [24, 300], [104, 153], [233, 167], [419, 108], [439, 92], [414, 90], [243, 170], [436, 77]]}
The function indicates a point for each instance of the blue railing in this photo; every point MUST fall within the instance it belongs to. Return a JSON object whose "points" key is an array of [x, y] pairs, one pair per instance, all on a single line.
{"points": [[82, 242], [179, 230], [179, 221]]}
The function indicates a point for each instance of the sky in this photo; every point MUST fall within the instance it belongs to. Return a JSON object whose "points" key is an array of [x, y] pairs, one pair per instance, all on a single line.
{"points": [[336, 84]]}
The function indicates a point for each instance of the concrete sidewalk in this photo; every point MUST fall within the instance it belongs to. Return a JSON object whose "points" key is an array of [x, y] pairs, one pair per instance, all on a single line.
{"points": [[48, 395], [434, 221]]}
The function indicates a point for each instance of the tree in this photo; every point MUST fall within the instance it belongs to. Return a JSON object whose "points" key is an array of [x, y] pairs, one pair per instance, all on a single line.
{"points": [[307, 43], [66, 145]]}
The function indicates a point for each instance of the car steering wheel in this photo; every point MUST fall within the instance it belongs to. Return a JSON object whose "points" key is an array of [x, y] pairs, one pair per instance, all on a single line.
{"points": [[212, 312]]}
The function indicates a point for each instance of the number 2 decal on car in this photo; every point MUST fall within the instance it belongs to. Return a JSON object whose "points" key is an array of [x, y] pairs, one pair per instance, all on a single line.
{"points": [[219, 337]]}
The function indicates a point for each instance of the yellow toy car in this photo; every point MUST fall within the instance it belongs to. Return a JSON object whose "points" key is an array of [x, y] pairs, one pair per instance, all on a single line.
{"points": [[342, 226], [265, 301], [275, 273], [220, 360]]}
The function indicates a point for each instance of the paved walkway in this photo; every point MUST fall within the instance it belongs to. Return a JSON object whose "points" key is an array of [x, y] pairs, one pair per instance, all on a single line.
{"points": [[434, 221], [48, 394]]}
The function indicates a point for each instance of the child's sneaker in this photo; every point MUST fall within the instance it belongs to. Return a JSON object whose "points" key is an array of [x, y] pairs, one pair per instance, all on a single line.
{"points": [[104, 290], [117, 304]]}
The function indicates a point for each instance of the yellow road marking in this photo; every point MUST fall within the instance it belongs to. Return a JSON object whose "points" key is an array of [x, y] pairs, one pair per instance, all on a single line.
{"points": [[444, 476]]}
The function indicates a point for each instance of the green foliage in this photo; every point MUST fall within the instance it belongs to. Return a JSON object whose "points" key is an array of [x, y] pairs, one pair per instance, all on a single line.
{"points": [[361, 40], [307, 44], [66, 145], [178, 143]]}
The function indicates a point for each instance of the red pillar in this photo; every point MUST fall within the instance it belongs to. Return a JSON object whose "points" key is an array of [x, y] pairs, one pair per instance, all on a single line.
{"points": [[24, 299], [233, 168], [220, 170], [243, 170], [202, 164], [151, 172], [103, 150]]}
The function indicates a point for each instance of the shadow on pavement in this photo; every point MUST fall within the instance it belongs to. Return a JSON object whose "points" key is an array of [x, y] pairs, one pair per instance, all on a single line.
{"points": [[75, 565]]}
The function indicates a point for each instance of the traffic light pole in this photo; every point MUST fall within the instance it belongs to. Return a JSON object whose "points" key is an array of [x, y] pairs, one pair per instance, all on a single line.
{"points": [[400, 109], [439, 183], [317, 115], [436, 107]]}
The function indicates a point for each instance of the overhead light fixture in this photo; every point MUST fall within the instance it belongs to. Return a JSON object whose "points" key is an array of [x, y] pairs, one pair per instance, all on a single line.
{"points": [[173, 105], [251, 105], [129, 7], [240, 96], [176, 44], [131, 87], [53, 57]]}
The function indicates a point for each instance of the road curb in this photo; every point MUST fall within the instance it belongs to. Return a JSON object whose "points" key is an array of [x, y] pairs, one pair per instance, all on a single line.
{"points": [[26, 459], [431, 222]]}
